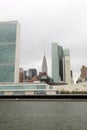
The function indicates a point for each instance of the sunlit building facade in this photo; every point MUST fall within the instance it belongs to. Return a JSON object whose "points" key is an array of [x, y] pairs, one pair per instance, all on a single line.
{"points": [[9, 51]]}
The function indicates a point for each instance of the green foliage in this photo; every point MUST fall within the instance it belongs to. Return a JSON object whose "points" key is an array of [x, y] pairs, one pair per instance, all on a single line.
{"points": [[78, 92], [64, 92], [72, 92]]}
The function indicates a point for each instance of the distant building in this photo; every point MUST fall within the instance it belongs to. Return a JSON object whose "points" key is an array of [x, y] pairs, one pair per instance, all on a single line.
{"points": [[9, 51], [20, 74], [72, 80], [24, 76], [32, 73], [44, 65], [83, 75], [66, 66], [60, 64], [83, 72], [57, 54], [43, 77]]}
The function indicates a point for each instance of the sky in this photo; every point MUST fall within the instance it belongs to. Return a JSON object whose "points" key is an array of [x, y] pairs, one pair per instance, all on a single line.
{"points": [[45, 21]]}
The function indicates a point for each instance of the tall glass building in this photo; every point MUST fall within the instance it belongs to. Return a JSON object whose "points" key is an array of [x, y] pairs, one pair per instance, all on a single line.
{"points": [[57, 54], [60, 68], [9, 51]]}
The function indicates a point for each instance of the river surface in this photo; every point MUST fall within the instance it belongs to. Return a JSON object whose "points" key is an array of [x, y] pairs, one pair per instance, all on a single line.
{"points": [[43, 115]]}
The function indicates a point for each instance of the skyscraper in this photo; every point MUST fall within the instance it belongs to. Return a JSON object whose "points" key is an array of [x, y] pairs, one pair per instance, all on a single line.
{"points": [[44, 65], [57, 54], [9, 51], [60, 68], [66, 66], [32, 73]]}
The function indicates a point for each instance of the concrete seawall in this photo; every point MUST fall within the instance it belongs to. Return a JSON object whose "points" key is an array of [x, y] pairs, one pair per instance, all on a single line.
{"points": [[45, 97]]}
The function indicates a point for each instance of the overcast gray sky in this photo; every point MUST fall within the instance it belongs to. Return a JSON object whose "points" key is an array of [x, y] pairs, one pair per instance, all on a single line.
{"points": [[46, 21]]}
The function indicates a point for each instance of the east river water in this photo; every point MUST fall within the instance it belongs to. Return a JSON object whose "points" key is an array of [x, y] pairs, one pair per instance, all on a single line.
{"points": [[43, 115]]}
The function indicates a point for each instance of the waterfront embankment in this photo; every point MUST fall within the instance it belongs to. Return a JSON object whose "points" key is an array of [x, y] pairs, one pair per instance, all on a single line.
{"points": [[58, 97]]}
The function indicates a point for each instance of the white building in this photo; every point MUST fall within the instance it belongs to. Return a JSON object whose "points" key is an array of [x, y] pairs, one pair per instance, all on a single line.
{"points": [[66, 67]]}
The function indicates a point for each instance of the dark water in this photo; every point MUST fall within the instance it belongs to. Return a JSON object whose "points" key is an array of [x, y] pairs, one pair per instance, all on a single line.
{"points": [[26, 115]]}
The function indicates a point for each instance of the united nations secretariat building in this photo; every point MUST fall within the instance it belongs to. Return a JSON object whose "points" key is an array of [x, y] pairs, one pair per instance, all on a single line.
{"points": [[9, 63]]}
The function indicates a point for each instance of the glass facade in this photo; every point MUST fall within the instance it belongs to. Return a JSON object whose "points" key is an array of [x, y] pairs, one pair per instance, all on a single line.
{"points": [[22, 87], [18, 89], [40, 92], [18, 93], [7, 51], [66, 52], [56, 62]]}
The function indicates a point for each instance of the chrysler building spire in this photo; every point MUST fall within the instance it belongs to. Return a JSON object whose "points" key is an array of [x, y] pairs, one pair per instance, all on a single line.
{"points": [[44, 64]]}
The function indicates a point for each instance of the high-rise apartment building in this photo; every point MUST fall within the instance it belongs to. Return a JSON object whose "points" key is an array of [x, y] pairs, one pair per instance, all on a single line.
{"points": [[44, 65], [60, 64], [9, 51]]}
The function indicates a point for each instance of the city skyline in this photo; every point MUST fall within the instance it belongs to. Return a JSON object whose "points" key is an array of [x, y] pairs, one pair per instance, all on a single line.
{"points": [[47, 21]]}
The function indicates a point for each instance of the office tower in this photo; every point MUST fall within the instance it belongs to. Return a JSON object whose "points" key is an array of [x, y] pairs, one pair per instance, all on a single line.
{"points": [[57, 54], [9, 51], [32, 73], [66, 66], [59, 64], [44, 65]]}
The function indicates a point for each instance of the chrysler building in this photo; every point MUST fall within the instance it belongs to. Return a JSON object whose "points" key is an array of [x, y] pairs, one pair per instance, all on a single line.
{"points": [[44, 64]]}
